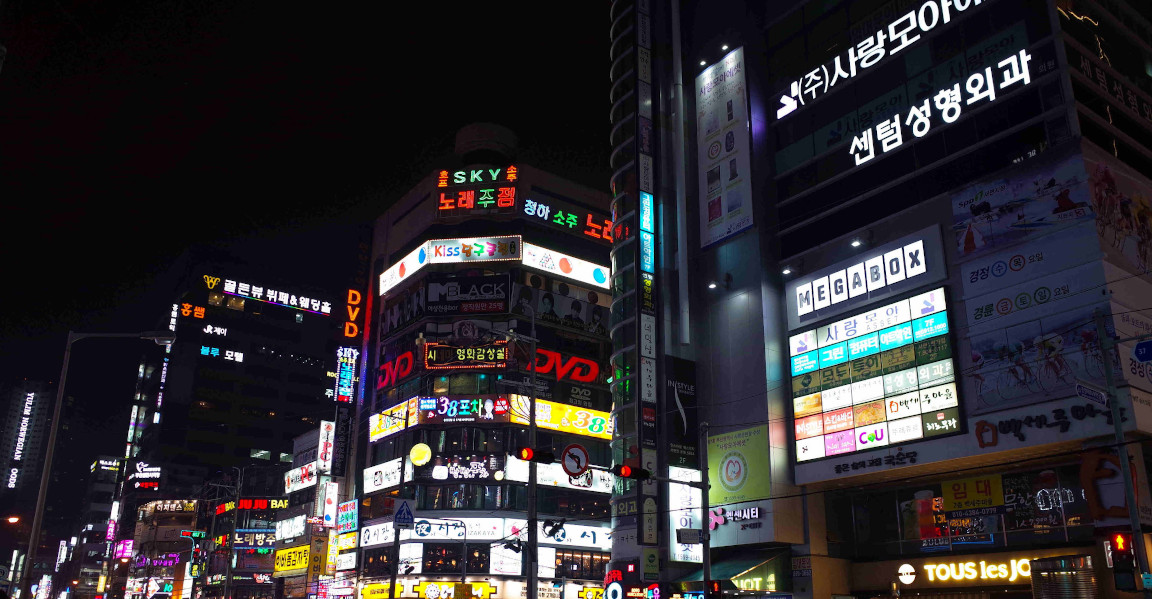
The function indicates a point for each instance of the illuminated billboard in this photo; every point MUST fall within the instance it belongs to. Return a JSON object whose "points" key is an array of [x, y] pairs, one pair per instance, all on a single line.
{"points": [[445, 356], [392, 420], [493, 249], [882, 376], [483, 408], [475, 192], [563, 418]]}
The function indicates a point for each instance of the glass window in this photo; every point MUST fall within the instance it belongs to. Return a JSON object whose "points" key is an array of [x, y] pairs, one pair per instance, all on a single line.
{"points": [[440, 385], [463, 384], [443, 558]]}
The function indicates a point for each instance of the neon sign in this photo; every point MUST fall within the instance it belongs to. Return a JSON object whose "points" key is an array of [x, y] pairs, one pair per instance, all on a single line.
{"points": [[476, 191], [901, 33], [280, 298], [442, 356], [392, 420], [351, 329], [346, 373], [438, 410], [569, 218], [980, 85], [214, 352]]}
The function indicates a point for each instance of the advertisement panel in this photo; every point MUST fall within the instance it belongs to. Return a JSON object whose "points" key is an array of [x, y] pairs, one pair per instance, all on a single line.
{"points": [[884, 375], [255, 538], [474, 249], [300, 478], [444, 356], [723, 163], [1122, 200], [383, 476], [391, 420], [1044, 194], [553, 475], [684, 511], [402, 308], [291, 559], [445, 409], [326, 446], [476, 192], [738, 463], [563, 265], [564, 306], [449, 295], [563, 418], [471, 468]]}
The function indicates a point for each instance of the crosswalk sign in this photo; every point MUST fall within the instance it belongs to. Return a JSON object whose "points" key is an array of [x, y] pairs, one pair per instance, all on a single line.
{"points": [[404, 517]]}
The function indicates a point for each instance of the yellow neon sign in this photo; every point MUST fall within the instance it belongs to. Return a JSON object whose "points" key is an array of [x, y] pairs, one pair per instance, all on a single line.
{"points": [[982, 570]]}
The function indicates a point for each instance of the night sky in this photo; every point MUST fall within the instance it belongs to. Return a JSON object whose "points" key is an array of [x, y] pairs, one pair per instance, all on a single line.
{"points": [[132, 130]]}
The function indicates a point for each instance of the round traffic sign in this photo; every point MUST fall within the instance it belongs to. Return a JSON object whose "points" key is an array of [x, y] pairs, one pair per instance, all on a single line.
{"points": [[574, 460]]}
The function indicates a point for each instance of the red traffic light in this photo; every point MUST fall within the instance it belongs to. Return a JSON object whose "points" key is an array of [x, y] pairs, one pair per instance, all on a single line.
{"points": [[626, 471], [1122, 543], [714, 586], [529, 454]]}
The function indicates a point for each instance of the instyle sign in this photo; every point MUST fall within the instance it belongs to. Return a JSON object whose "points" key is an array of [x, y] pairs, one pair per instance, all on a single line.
{"points": [[909, 262]]}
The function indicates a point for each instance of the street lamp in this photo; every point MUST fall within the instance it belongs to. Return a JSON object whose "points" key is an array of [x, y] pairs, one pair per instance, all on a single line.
{"points": [[532, 533], [161, 338]]}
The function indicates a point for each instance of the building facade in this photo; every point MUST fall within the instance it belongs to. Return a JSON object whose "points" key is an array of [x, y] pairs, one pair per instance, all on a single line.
{"points": [[912, 228], [467, 266]]}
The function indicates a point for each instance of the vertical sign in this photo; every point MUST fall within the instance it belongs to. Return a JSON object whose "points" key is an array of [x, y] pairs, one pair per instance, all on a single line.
{"points": [[722, 153], [325, 449]]}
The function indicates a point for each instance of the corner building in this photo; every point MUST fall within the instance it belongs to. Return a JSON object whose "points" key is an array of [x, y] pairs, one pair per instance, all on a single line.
{"points": [[484, 246], [927, 217]]}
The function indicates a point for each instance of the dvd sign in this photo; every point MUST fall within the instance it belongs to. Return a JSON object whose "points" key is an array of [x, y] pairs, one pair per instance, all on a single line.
{"points": [[467, 295]]}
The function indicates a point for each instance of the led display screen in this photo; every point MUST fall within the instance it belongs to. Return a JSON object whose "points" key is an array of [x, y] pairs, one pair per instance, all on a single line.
{"points": [[882, 376]]}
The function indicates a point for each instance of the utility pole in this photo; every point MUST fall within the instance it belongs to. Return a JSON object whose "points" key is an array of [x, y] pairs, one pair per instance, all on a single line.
{"points": [[1107, 350], [533, 533], [705, 535]]}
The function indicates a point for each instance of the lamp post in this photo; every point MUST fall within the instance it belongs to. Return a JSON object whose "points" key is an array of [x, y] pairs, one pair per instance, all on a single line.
{"points": [[532, 532], [161, 338]]}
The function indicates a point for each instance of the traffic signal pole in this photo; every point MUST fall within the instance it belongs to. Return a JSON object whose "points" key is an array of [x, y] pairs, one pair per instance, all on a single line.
{"points": [[1107, 349], [705, 535]]}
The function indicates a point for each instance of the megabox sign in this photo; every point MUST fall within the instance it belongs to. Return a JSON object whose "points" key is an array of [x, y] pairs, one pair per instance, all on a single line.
{"points": [[902, 265]]}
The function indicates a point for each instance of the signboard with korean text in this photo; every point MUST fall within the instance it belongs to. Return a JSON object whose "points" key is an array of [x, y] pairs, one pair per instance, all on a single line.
{"points": [[553, 475], [438, 356], [471, 468], [563, 418], [345, 374], [291, 528], [391, 420], [879, 377], [972, 492], [879, 273], [738, 466], [544, 208], [684, 503], [300, 478], [445, 409], [476, 192], [383, 476], [347, 516], [451, 295], [723, 164], [256, 538], [327, 445], [276, 296], [291, 559], [474, 249]]}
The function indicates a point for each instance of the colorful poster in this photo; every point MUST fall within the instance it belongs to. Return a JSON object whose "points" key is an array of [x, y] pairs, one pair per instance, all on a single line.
{"points": [[1037, 197], [723, 150], [738, 465], [1122, 199]]}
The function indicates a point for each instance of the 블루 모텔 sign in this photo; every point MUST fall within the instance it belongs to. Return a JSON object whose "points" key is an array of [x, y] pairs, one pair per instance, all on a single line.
{"points": [[909, 262]]}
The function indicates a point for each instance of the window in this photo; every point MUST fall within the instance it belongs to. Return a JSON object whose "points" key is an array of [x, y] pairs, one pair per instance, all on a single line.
{"points": [[215, 299], [286, 458], [589, 565], [236, 303], [260, 454]]}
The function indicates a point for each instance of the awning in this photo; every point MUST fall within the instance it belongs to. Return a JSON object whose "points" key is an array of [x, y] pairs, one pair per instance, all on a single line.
{"points": [[731, 568]]}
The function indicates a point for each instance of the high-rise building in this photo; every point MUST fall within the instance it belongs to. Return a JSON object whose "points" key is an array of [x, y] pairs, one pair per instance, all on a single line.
{"points": [[896, 238], [470, 263], [24, 437]]}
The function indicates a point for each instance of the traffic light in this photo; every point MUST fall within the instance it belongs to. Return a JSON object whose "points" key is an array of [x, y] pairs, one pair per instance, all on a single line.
{"points": [[529, 454], [1123, 561], [626, 471], [712, 590]]}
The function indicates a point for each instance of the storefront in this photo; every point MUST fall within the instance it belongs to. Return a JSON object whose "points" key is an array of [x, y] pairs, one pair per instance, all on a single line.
{"points": [[422, 588], [1005, 575]]}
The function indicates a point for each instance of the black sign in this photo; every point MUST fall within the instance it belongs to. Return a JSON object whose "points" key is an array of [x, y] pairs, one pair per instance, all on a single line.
{"points": [[448, 295], [343, 439], [680, 419], [565, 306], [473, 468]]}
